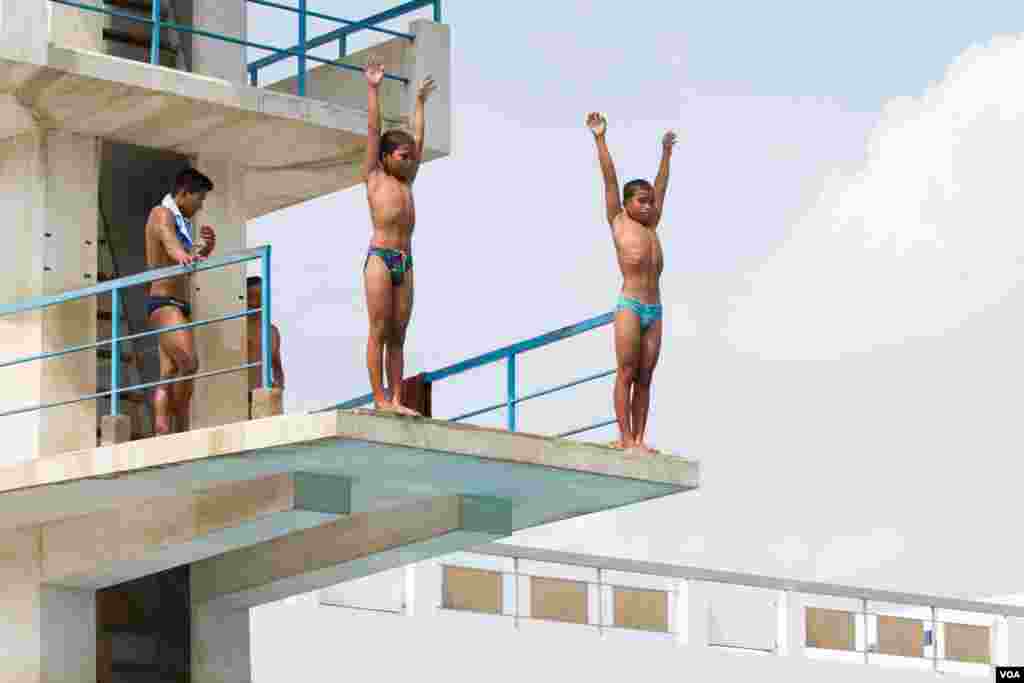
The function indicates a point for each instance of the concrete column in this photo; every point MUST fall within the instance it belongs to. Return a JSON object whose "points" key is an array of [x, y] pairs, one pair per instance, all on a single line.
{"points": [[431, 54], [1013, 633], [425, 597], [221, 651], [225, 398], [47, 634], [698, 611], [24, 30], [217, 58], [77, 28], [796, 624], [48, 191]]}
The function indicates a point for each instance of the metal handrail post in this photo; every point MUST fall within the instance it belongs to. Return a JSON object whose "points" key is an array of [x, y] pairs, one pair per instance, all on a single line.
{"points": [[437, 11], [511, 400], [154, 41], [302, 48], [265, 318], [115, 356]]}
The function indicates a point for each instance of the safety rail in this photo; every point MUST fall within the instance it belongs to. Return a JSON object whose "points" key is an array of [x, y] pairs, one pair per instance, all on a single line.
{"points": [[509, 354], [300, 51], [114, 287]]}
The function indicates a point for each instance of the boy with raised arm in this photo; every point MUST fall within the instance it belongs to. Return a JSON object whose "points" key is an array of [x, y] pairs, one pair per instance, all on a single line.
{"points": [[634, 222], [391, 164]]}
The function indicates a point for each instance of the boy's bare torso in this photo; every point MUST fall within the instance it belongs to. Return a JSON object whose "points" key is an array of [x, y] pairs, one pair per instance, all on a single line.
{"points": [[640, 259], [392, 211]]}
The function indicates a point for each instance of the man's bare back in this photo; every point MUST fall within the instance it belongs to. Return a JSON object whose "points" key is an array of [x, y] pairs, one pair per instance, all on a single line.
{"points": [[159, 255]]}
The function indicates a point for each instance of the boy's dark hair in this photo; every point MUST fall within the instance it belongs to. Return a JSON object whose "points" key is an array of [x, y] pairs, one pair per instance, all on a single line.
{"points": [[634, 186], [192, 181], [392, 140], [253, 280]]}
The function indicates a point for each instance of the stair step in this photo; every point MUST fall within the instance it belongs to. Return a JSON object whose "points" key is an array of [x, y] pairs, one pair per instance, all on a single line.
{"points": [[126, 356], [139, 38], [141, 6]]}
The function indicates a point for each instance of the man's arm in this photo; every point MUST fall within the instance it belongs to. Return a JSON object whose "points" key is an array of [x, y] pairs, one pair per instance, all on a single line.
{"points": [[275, 358], [661, 182], [167, 233], [420, 124], [374, 76], [613, 206]]}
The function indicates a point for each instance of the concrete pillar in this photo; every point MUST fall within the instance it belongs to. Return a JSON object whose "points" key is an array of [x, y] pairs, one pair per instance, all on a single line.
{"points": [[425, 596], [431, 54], [47, 634], [77, 28], [698, 613], [222, 399], [796, 625], [221, 651], [24, 30], [267, 403], [1013, 635], [48, 192], [217, 58]]}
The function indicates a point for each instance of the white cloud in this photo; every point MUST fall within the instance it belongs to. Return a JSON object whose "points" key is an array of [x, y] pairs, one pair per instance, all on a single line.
{"points": [[926, 233]]}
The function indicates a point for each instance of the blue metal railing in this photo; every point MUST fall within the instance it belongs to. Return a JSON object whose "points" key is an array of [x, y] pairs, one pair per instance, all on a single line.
{"points": [[114, 288], [509, 355], [300, 51]]}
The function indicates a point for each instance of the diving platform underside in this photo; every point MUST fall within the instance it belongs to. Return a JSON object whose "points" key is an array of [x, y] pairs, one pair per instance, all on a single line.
{"points": [[292, 148], [269, 508]]}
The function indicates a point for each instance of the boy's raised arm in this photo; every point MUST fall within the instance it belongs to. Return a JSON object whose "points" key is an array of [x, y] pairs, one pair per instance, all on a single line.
{"points": [[374, 76], [613, 206]]}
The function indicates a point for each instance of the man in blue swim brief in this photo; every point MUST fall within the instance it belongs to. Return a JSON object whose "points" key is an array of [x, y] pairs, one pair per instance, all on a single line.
{"points": [[172, 240], [638, 315]]}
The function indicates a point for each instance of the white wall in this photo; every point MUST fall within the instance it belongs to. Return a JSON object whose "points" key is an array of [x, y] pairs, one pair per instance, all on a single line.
{"points": [[301, 641]]}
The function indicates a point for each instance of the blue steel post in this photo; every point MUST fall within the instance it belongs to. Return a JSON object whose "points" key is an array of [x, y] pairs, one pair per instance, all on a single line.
{"points": [[265, 319], [302, 48], [511, 402], [154, 41], [437, 11], [115, 356], [342, 46]]}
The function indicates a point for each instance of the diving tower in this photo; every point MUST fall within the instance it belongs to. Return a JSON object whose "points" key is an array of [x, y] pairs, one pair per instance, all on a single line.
{"points": [[111, 541]]}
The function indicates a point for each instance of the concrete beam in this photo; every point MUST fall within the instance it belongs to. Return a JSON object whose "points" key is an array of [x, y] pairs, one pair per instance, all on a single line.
{"points": [[110, 547], [348, 548]]}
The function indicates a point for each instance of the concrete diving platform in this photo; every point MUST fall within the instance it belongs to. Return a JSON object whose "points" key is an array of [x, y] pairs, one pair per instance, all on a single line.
{"points": [[252, 512], [315, 499]]}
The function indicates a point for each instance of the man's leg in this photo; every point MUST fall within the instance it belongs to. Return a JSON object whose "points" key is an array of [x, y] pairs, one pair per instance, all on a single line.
{"points": [[181, 392], [177, 359], [162, 404], [650, 350], [379, 307], [396, 342], [627, 356]]}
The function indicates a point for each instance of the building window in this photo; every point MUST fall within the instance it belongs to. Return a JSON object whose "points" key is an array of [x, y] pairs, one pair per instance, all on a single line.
{"points": [[967, 643], [558, 600], [642, 609], [475, 590], [830, 629], [900, 636]]}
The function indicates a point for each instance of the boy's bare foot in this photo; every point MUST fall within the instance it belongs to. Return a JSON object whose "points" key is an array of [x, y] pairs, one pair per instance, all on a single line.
{"points": [[402, 410], [385, 407]]}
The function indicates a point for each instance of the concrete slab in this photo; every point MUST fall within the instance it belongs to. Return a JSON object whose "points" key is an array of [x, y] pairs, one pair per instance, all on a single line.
{"points": [[389, 461], [281, 138]]}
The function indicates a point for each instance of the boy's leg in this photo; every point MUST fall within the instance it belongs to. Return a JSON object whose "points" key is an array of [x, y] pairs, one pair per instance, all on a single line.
{"points": [[379, 307], [627, 356], [396, 343], [182, 391], [650, 350]]}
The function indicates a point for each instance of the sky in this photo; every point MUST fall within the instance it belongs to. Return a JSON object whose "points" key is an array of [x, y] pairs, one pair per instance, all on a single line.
{"points": [[843, 259]]}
